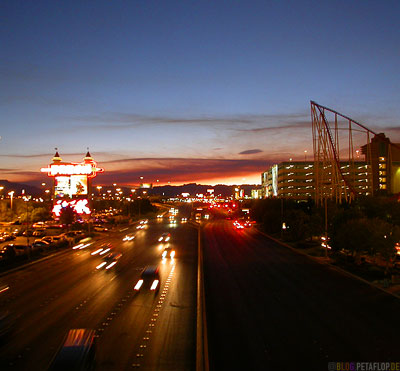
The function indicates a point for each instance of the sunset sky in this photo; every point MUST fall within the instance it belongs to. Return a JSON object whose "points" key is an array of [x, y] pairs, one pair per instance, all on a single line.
{"points": [[188, 91]]}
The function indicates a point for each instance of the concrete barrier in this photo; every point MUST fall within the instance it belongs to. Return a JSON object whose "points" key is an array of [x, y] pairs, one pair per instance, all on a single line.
{"points": [[202, 361]]}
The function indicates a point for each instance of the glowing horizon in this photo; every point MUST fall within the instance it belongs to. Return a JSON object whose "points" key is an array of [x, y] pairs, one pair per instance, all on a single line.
{"points": [[160, 95]]}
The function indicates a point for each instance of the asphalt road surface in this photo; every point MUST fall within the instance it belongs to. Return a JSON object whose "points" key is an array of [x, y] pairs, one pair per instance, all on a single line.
{"points": [[135, 330], [270, 308]]}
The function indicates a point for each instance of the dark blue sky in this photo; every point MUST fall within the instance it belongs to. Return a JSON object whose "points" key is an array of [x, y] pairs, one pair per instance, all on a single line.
{"points": [[188, 90]]}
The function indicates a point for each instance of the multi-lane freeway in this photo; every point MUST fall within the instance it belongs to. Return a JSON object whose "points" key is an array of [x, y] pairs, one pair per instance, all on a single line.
{"points": [[271, 308], [144, 329], [268, 307]]}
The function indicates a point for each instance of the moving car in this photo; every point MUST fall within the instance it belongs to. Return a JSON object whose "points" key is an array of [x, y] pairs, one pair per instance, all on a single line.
{"points": [[78, 351], [168, 252], [129, 237], [149, 279], [165, 237], [102, 249], [247, 224], [109, 260], [238, 225]]}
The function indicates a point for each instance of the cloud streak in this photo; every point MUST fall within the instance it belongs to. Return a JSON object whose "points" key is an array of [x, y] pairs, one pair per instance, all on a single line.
{"points": [[39, 155], [250, 152], [113, 120], [179, 170], [295, 125]]}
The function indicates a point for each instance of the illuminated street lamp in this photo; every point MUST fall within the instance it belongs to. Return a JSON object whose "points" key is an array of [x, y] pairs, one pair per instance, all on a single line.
{"points": [[11, 194], [305, 155], [1, 188], [26, 199]]}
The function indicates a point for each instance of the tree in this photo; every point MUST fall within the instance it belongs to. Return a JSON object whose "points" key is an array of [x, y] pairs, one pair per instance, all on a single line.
{"points": [[67, 215], [40, 213], [355, 236], [384, 238]]}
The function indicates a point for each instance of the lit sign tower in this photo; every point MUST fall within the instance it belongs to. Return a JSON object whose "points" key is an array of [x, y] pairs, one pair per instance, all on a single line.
{"points": [[72, 183]]}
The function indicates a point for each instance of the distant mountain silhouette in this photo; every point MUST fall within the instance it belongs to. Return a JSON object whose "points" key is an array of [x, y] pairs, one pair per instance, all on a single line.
{"points": [[18, 187]]}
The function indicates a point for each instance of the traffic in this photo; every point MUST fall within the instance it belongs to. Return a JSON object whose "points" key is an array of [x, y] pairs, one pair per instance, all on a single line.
{"points": [[101, 279]]}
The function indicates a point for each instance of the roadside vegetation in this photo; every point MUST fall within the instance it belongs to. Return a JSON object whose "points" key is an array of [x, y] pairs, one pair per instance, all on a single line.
{"points": [[362, 235], [23, 211]]}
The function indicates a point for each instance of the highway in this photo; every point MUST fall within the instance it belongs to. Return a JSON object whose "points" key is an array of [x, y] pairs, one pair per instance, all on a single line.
{"points": [[135, 330], [270, 308]]}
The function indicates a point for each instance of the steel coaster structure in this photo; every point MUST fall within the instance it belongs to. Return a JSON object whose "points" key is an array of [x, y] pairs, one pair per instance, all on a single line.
{"points": [[334, 166]]}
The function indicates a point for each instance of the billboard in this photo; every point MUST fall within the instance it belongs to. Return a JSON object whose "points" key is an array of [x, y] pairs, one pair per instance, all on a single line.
{"points": [[70, 186], [79, 185]]}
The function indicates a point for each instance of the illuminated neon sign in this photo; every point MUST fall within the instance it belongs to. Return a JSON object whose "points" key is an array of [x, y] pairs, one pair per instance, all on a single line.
{"points": [[79, 206], [89, 169]]}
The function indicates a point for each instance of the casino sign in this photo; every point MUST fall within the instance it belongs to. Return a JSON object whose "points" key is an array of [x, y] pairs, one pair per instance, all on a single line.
{"points": [[72, 183]]}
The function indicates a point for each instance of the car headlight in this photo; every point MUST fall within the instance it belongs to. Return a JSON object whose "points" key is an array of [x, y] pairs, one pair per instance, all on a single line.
{"points": [[101, 265], [154, 285], [138, 285]]}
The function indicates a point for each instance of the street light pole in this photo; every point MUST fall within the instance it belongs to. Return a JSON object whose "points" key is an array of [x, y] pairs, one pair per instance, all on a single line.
{"points": [[11, 194], [26, 199]]}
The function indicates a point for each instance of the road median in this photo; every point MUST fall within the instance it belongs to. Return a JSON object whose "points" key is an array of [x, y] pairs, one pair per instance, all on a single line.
{"points": [[202, 361]]}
